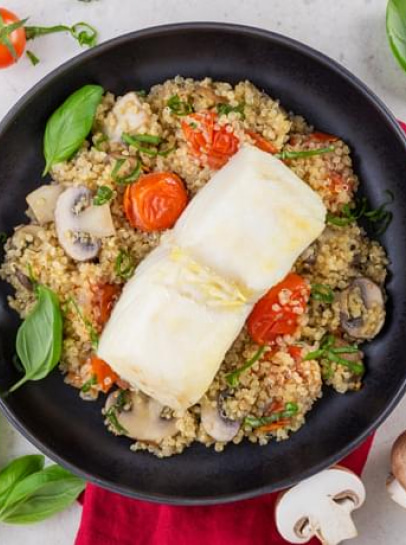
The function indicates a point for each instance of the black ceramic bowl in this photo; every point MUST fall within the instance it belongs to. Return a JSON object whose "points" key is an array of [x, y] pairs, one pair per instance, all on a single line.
{"points": [[51, 414]]}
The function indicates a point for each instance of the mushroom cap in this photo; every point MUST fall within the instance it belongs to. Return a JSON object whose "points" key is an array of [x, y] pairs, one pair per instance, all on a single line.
{"points": [[320, 506], [371, 297], [215, 423], [142, 419], [398, 459], [43, 201]]}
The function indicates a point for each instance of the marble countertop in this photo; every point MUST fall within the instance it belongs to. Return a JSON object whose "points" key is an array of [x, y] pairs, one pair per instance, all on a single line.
{"points": [[352, 33]]}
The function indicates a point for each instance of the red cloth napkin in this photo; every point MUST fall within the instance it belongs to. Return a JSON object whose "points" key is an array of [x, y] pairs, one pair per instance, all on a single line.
{"points": [[111, 519]]}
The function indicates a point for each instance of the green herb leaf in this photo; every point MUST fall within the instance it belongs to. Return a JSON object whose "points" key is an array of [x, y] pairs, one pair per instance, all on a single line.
{"points": [[303, 153], [33, 58], [104, 194], [179, 107], [88, 384], [396, 29], [322, 292], [234, 377], [290, 410], [17, 470], [153, 147], [97, 144], [70, 124], [85, 34], [124, 265], [94, 337], [330, 352], [225, 109], [39, 338], [41, 495], [130, 178]]}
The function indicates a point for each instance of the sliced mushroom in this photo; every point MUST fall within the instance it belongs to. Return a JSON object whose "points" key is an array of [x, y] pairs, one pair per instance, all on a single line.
{"points": [[139, 418], [215, 422], [127, 115], [80, 225], [320, 507], [42, 202], [362, 309], [396, 483]]}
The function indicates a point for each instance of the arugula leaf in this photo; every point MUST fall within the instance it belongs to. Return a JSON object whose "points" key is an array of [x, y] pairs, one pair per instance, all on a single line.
{"points": [[396, 29], [70, 124], [39, 338], [41, 495], [17, 470]]}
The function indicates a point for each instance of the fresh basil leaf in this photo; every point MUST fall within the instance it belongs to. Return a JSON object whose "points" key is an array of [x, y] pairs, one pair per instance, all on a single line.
{"points": [[70, 124], [396, 29], [17, 470], [41, 495], [39, 338]]}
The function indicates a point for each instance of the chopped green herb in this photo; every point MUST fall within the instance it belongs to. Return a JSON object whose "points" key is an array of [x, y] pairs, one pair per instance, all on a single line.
{"points": [[290, 410], [193, 125], [234, 377], [88, 384], [179, 107], [94, 336], [84, 33], [130, 178], [103, 195], [112, 418], [380, 217], [102, 138], [330, 352], [148, 144], [322, 292], [124, 265], [225, 109], [33, 58], [303, 153]]}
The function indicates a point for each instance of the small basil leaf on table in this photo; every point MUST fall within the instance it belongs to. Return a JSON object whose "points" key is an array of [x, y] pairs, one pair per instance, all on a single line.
{"points": [[17, 470], [70, 124], [396, 29], [39, 338], [41, 495]]}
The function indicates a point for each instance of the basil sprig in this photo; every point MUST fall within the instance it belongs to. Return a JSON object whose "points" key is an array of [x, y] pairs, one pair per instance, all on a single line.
{"points": [[39, 338], [69, 125], [29, 493], [396, 30]]}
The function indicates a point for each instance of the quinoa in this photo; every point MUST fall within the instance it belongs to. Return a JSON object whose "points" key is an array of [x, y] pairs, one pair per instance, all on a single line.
{"points": [[336, 258]]}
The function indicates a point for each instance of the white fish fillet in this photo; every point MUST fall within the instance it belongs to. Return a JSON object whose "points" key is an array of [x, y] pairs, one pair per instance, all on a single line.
{"points": [[189, 299]]}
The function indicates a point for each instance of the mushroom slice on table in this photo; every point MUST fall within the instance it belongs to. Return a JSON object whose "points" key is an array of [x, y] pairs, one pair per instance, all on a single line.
{"points": [[362, 309], [320, 507], [396, 483], [138, 416], [80, 225], [42, 202], [215, 422]]}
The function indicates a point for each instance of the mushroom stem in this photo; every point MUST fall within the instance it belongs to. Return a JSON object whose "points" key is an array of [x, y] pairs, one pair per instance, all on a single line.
{"points": [[396, 491]]}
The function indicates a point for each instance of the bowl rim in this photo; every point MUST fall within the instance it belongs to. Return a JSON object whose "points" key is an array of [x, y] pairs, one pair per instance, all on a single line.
{"points": [[157, 31]]}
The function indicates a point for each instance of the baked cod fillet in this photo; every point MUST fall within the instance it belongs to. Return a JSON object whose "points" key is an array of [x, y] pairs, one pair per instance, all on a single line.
{"points": [[189, 299]]}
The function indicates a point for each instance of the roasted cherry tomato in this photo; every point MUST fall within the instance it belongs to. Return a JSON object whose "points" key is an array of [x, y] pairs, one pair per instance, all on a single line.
{"points": [[104, 374], [261, 142], [277, 313], [12, 45], [104, 296], [155, 201]]}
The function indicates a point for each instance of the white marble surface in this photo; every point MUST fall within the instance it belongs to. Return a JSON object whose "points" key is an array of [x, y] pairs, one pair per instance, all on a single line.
{"points": [[352, 33]]}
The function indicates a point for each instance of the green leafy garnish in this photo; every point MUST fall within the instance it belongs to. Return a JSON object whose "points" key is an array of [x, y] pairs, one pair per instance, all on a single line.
{"points": [[290, 410], [103, 195], [124, 265], [179, 107], [148, 143], [102, 138], [32, 57], [129, 178], [70, 124], [322, 292], [234, 377], [225, 109], [330, 352], [380, 217], [118, 406], [94, 336], [30, 493], [39, 338], [303, 153], [396, 29], [88, 384]]}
